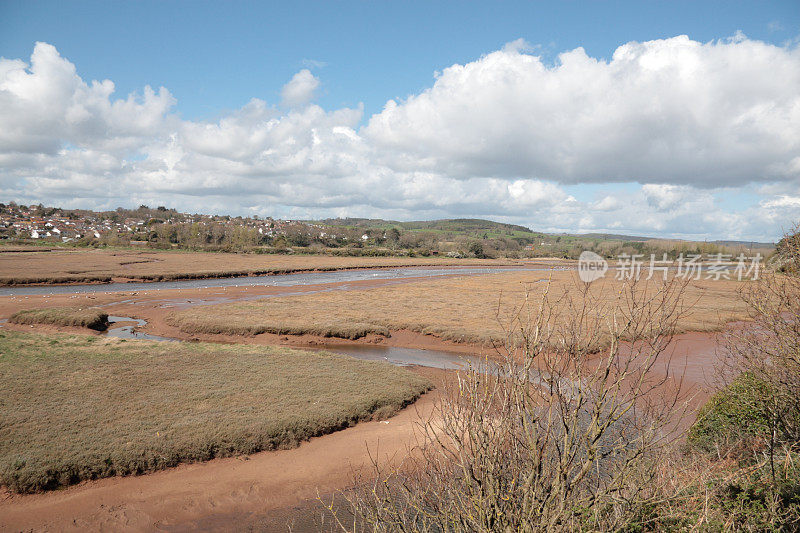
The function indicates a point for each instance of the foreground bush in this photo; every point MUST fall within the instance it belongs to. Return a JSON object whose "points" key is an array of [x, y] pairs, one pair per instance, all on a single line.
{"points": [[542, 441], [86, 317], [744, 449], [79, 407], [736, 412], [746, 472]]}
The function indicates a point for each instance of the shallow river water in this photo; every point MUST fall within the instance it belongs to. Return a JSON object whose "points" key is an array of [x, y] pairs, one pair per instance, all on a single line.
{"points": [[278, 280]]}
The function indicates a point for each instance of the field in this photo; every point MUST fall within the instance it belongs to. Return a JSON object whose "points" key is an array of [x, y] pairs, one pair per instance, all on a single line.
{"points": [[469, 309], [81, 266], [78, 407]]}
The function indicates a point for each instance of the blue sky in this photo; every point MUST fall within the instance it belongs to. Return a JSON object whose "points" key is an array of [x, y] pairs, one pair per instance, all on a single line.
{"points": [[280, 109], [215, 56]]}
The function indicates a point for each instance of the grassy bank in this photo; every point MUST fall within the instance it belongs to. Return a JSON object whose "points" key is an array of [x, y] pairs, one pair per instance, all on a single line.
{"points": [[52, 280], [102, 266], [79, 407], [85, 317], [473, 309], [341, 330]]}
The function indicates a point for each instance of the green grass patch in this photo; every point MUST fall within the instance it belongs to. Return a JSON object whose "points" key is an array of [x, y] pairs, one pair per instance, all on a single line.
{"points": [[86, 317], [737, 411], [77, 407]]}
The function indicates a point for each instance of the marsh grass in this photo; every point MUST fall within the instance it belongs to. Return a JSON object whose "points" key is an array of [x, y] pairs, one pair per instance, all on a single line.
{"points": [[53, 280], [454, 309], [342, 330], [87, 266], [78, 407], [86, 317]]}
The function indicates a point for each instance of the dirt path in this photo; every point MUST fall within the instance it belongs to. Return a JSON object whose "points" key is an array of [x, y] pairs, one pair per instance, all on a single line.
{"points": [[264, 490]]}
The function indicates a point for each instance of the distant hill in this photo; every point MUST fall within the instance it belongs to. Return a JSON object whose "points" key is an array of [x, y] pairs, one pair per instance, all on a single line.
{"points": [[475, 226], [464, 224], [754, 244], [453, 224], [610, 237], [634, 238]]}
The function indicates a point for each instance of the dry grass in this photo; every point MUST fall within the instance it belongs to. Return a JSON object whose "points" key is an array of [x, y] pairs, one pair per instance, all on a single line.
{"points": [[78, 407], [464, 309], [342, 330], [85, 266], [85, 317]]}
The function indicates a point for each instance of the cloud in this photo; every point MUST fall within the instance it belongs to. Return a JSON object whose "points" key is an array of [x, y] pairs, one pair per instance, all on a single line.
{"points": [[782, 201], [663, 131], [300, 89], [313, 63], [46, 104], [774, 25], [666, 111], [663, 197]]}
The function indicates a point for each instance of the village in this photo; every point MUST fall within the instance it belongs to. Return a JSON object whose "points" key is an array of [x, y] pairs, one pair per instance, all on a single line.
{"points": [[139, 226]]}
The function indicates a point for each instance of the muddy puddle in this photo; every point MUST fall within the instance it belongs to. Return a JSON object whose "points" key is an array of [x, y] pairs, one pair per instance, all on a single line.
{"points": [[130, 331]]}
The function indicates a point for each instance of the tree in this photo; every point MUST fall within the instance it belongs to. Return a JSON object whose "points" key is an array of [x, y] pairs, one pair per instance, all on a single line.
{"points": [[476, 249], [393, 235]]}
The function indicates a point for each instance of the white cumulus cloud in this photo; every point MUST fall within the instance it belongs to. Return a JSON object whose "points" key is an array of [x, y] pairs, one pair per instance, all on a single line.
{"points": [[300, 90], [682, 123], [666, 111]]}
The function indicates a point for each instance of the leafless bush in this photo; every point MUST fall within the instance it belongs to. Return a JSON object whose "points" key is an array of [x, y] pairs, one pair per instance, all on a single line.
{"points": [[554, 433], [763, 364]]}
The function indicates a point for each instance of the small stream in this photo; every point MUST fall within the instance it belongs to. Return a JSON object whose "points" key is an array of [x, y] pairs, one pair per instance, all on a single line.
{"points": [[392, 354]]}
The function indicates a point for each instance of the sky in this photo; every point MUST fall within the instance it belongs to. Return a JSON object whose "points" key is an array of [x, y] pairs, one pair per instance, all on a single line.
{"points": [[674, 119]]}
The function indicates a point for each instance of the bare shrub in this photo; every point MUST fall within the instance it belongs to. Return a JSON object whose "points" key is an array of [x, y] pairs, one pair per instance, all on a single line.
{"points": [[754, 419], [559, 431], [769, 351]]}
